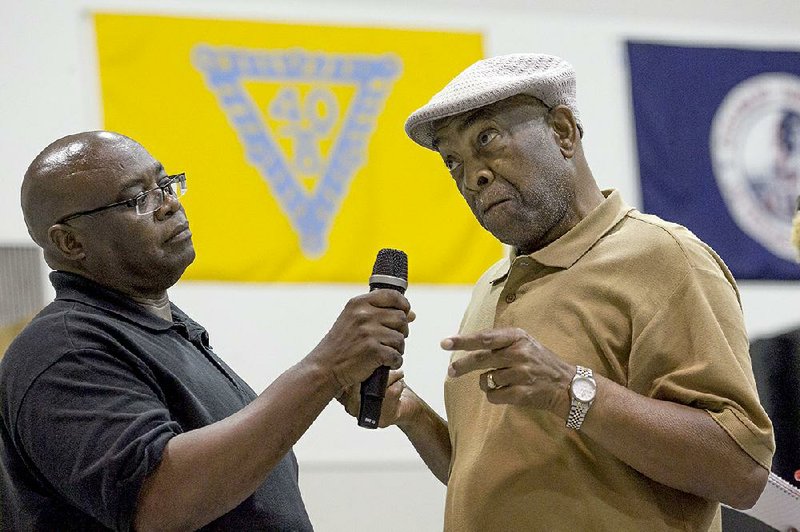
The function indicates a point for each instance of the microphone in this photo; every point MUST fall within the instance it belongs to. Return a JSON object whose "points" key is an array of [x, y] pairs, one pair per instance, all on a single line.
{"points": [[390, 271]]}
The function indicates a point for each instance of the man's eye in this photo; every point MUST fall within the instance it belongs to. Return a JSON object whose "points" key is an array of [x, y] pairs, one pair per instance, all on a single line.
{"points": [[139, 199], [133, 201], [485, 137], [451, 164]]}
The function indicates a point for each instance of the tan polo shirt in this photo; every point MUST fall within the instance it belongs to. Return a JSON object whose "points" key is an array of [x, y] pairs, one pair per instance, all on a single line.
{"points": [[642, 302]]}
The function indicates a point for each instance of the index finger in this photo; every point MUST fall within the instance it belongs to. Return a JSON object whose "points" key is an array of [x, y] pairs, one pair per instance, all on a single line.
{"points": [[484, 349], [388, 298], [475, 360], [490, 339]]}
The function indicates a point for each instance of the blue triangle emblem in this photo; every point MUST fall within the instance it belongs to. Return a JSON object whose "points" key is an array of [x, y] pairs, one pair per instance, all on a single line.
{"points": [[328, 143]]}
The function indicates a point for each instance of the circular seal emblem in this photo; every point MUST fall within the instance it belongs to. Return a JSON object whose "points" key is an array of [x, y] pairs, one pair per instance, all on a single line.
{"points": [[755, 154]]}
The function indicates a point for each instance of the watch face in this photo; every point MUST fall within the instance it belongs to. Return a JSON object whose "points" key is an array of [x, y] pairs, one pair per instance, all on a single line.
{"points": [[583, 389]]}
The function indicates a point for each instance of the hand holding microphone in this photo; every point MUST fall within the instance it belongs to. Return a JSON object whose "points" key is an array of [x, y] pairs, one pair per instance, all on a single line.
{"points": [[369, 333], [389, 272]]}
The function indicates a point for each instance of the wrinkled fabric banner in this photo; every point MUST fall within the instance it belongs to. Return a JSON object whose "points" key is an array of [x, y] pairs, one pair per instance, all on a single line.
{"points": [[291, 137], [718, 141]]}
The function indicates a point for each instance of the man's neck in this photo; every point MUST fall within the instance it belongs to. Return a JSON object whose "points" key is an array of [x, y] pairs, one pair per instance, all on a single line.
{"points": [[155, 304], [158, 306]]}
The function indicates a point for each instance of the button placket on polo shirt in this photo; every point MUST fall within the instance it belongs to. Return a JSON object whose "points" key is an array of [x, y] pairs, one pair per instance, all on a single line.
{"points": [[200, 344], [519, 273], [523, 273]]}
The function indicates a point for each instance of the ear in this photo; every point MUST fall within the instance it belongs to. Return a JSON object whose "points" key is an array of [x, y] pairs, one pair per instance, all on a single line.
{"points": [[66, 242], [565, 130]]}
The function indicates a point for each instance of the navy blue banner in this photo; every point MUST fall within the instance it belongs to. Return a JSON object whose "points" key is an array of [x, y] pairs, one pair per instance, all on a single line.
{"points": [[718, 139]]}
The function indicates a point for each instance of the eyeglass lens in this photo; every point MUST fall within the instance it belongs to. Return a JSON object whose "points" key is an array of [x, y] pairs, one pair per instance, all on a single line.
{"points": [[154, 199]]}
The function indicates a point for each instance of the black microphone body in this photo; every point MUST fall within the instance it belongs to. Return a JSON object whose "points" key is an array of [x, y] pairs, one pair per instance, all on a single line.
{"points": [[390, 271]]}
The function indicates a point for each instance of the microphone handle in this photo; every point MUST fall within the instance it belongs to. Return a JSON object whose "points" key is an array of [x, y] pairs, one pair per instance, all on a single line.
{"points": [[374, 388], [372, 391]]}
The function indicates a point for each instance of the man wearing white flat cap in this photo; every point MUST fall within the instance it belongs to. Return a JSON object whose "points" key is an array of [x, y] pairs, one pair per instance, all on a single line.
{"points": [[601, 378]]}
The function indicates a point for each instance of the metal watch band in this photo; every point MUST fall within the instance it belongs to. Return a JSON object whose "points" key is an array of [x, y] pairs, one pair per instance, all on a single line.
{"points": [[578, 409]]}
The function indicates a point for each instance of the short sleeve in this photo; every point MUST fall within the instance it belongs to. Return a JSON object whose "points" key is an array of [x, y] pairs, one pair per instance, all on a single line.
{"points": [[94, 428], [695, 351]]}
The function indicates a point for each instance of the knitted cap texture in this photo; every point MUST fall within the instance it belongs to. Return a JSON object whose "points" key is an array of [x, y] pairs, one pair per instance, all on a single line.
{"points": [[546, 77]]}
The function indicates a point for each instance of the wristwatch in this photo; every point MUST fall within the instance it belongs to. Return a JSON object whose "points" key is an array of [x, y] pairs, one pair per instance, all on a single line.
{"points": [[582, 390]]}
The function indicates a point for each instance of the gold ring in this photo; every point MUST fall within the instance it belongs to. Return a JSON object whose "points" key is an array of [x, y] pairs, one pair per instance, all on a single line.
{"points": [[490, 381]]}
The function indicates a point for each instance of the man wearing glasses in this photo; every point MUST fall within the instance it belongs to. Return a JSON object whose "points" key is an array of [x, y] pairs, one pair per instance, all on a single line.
{"points": [[115, 411]]}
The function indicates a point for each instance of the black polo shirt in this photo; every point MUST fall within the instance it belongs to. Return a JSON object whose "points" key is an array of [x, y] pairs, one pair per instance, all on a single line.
{"points": [[91, 392]]}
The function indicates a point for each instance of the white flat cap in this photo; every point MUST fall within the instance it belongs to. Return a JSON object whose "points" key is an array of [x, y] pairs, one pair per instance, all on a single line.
{"points": [[546, 77]]}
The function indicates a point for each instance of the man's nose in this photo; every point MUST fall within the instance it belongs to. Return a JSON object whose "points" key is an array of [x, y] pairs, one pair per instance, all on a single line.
{"points": [[170, 206], [477, 175]]}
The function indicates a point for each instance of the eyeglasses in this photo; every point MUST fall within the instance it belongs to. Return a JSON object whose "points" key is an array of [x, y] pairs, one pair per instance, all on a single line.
{"points": [[145, 202]]}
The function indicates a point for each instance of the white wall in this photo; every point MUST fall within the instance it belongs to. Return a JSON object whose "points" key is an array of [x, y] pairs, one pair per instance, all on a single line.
{"points": [[49, 87]]}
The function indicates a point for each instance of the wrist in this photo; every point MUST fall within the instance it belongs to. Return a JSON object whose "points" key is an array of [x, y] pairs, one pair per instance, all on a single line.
{"points": [[582, 391], [560, 401], [411, 413], [321, 378]]}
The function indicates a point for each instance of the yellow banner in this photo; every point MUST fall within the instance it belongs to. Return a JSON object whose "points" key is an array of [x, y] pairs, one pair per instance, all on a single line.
{"points": [[292, 140]]}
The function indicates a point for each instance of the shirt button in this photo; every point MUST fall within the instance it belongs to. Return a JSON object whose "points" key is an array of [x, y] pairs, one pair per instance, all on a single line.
{"points": [[510, 298]]}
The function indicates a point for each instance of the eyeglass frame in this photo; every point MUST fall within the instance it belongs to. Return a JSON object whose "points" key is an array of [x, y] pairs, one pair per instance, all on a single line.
{"points": [[131, 202]]}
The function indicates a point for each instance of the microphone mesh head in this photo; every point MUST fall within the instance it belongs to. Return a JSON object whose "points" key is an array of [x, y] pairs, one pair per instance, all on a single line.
{"points": [[391, 262]]}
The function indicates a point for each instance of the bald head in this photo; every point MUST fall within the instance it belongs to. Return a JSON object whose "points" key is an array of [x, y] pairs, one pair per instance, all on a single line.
{"points": [[69, 195], [60, 180]]}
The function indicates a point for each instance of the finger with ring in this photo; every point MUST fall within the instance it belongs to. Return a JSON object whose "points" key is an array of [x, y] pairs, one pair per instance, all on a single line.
{"points": [[490, 381]]}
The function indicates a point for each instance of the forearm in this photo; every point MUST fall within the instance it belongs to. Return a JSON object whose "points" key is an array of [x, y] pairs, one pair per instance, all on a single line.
{"points": [[684, 447], [429, 435], [207, 472]]}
